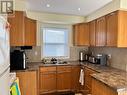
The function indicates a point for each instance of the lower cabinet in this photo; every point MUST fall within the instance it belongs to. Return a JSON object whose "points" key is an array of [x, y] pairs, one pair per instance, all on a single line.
{"points": [[28, 82], [47, 79], [63, 78], [88, 79], [75, 78], [55, 79], [99, 88]]}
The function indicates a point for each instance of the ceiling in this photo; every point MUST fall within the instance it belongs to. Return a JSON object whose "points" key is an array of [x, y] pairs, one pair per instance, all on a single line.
{"points": [[71, 7]]}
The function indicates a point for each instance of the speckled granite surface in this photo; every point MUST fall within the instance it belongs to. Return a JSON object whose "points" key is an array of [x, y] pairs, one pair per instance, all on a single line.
{"points": [[114, 78], [36, 65]]}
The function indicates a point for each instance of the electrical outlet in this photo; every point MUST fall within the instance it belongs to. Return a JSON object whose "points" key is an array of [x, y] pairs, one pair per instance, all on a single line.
{"points": [[109, 56], [36, 53]]}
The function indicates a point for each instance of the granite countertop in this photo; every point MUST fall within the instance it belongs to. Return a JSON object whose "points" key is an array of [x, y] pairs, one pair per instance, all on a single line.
{"points": [[114, 78], [36, 65]]}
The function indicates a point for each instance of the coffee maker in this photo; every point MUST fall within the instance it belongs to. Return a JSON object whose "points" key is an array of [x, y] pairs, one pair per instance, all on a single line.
{"points": [[101, 59]]}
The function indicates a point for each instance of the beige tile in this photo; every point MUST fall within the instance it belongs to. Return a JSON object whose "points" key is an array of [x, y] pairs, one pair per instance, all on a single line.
{"points": [[118, 56]]}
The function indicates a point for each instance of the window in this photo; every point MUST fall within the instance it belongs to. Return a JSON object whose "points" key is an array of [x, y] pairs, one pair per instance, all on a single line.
{"points": [[55, 42]]}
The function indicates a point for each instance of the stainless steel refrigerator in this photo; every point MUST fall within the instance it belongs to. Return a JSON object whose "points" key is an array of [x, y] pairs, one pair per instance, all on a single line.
{"points": [[4, 57]]}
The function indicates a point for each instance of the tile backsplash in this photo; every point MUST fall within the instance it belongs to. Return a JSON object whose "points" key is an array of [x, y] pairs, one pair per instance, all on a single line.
{"points": [[34, 55], [118, 56]]}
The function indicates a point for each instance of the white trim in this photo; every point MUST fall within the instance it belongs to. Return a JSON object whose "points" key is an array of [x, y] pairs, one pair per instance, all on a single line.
{"points": [[60, 26]]}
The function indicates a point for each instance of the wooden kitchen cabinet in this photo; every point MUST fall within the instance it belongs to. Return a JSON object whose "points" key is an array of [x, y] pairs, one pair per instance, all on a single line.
{"points": [[116, 29], [99, 88], [64, 78], [30, 32], [101, 31], [81, 34], [22, 30], [17, 29], [75, 78], [28, 82], [112, 29], [47, 79], [92, 31], [88, 79]]}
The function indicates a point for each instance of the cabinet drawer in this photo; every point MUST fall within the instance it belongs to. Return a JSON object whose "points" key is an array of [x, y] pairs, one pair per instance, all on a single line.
{"points": [[64, 68], [47, 69]]}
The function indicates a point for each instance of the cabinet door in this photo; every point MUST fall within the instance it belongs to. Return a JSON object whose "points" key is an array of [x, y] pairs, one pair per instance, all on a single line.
{"points": [[47, 82], [75, 35], [63, 78], [75, 78], [99, 88], [47, 79], [112, 29], [88, 78], [81, 34], [17, 29], [28, 82], [30, 32], [122, 30], [92, 30], [101, 32]]}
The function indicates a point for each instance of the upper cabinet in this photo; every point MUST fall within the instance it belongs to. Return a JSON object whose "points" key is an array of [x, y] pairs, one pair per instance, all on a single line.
{"points": [[101, 31], [22, 31], [17, 29], [122, 29], [109, 30], [116, 29], [92, 30], [112, 29], [81, 34], [30, 32]]}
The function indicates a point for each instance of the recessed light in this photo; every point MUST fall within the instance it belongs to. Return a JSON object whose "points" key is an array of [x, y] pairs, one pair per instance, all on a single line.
{"points": [[79, 9], [48, 5]]}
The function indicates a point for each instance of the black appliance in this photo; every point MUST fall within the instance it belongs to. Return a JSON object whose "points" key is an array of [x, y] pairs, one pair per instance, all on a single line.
{"points": [[17, 60], [101, 59]]}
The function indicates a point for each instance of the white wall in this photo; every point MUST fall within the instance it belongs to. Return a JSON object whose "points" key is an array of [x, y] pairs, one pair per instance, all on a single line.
{"points": [[114, 5], [55, 18], [123, 4], [20, 5]]}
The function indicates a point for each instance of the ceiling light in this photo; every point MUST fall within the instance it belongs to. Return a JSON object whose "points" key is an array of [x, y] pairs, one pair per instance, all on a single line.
{"points": [[79, 9], [48, 5]]}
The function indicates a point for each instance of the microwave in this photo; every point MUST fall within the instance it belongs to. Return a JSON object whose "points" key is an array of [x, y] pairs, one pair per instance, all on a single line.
{"points": [[17, 60]]}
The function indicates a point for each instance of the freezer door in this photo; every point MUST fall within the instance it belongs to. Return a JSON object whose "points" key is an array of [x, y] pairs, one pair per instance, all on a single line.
{"points": [[4, 45], [4, 82]]}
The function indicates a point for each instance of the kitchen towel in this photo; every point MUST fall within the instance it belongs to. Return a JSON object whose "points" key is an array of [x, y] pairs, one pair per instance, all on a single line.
{"points": [[81, 79], [14, 90]]}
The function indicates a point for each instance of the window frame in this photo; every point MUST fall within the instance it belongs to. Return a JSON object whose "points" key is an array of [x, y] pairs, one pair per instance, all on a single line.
{"points": [[68, 42]]}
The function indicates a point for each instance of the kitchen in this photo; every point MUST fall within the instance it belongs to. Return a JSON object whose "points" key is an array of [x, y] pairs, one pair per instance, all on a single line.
{"points": [[47, 42]]}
